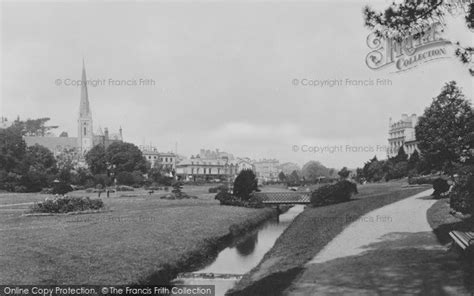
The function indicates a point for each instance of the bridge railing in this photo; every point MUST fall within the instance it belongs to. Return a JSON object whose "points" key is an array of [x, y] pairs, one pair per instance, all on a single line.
{"points": [[283, 197]]}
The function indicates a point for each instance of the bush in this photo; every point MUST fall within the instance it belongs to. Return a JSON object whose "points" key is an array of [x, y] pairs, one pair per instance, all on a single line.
{"points": [[421, 180], [66, 204], [217, 189], [440, 186], [61, 188], [461, 197], [124, 188], [226, 198], [102, 179], [125, 178], [330, 194]]}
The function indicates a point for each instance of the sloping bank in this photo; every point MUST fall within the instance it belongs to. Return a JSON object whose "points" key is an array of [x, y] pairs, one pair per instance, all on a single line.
{"points": [[307, 235], [207, 251]]}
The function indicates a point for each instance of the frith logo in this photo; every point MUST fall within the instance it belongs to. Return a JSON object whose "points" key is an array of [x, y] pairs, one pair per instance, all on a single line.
{"points": [[408, 52]]}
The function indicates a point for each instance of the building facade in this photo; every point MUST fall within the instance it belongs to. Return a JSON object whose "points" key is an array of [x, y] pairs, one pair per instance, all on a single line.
{"points": [[208, 166], [167, 160], [267, 169], [402, 133]]}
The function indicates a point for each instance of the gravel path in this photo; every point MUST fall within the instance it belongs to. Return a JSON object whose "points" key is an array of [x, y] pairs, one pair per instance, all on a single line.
{"points": [[389, 251]]}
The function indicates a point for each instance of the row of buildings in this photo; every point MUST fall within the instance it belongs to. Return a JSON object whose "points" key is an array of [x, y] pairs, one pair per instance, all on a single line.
{"points": [[212, 165], [207, 164]]}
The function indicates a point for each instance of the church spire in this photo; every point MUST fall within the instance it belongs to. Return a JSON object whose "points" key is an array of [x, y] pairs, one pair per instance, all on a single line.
{"points": [[84, 108]]}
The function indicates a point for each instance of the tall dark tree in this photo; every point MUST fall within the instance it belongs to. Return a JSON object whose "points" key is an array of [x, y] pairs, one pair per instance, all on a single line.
{"points": [[282, 176], [245, 183], [414, 161], [443, 129], [12, 148], [401, 155]]}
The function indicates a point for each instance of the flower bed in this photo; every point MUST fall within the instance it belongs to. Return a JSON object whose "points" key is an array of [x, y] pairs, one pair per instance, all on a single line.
{"points": [[66, 204]]}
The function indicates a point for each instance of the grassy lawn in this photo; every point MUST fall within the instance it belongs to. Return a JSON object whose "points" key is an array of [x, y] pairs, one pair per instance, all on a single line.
{"points": [[140, 237], [310, 232]]}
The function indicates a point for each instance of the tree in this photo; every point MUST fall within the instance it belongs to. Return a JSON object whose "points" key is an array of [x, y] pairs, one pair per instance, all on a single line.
{"points": [[245, 183], [35, 127], [294, 179], [414, 161], [373, 170], [401, 155], [444, 128], [63, 134], [68, 162], [12, 148], [344, 173], [312, 170], [23, 168], [282, 176], [124, 178], [39, 168], [96, 159], [126, 157], [410, 17]]}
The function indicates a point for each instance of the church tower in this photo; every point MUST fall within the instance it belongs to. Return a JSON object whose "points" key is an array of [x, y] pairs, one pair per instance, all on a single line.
{"points": [[85, 137]]}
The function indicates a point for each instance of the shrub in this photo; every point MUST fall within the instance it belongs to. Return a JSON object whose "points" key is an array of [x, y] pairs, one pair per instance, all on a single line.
{"points": [[461, 197], [330, 194], [217, 189], [102, 179], [125, 178], [226, 198], [440, 186], [124, 188], [61, 188], [421, 180], [65, 204]]}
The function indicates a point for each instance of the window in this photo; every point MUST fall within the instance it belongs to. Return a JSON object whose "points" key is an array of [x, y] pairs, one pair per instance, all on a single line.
{"points": [[85, 131]]}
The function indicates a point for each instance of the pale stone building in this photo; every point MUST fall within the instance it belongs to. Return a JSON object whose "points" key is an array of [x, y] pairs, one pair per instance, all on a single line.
{"points": [[267, 169], [402, 133], [167, 160]]}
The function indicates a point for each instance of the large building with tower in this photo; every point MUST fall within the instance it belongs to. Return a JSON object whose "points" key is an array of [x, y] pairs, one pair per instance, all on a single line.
{"points": [[86, 138]]}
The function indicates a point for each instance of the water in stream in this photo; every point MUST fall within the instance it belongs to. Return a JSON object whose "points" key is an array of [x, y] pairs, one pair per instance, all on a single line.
{"points": [[239, 259]]}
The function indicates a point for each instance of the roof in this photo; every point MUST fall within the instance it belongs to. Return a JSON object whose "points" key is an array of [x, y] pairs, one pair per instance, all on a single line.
{"points": [[52, 143]]}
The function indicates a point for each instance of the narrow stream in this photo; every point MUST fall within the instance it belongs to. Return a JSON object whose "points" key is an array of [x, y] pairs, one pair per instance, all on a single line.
{"points": [[236, 260]]}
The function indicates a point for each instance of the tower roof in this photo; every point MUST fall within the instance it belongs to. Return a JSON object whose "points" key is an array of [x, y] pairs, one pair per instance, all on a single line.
{"points": [[84, 108]]}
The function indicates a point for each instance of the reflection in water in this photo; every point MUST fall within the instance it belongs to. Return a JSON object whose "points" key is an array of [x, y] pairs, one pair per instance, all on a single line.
{"points": [[247, 246], [244, 256]]}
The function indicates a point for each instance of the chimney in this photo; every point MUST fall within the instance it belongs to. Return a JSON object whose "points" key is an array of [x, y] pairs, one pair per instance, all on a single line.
{"points": [[106, 133]]}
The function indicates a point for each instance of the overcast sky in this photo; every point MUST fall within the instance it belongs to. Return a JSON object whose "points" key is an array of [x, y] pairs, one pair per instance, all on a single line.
{"points": [[223, 75]]}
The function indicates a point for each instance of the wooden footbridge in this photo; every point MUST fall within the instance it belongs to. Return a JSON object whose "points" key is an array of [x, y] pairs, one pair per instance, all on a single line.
{"points": [[284, 198]]}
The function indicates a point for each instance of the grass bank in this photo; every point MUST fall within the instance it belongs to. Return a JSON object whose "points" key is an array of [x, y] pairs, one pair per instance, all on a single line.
{"points": [[442, 221], [142, 239], [310, 232]]}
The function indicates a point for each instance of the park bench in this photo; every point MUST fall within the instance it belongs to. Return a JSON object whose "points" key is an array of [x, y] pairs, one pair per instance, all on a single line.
{"points": [[464, 240]]}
